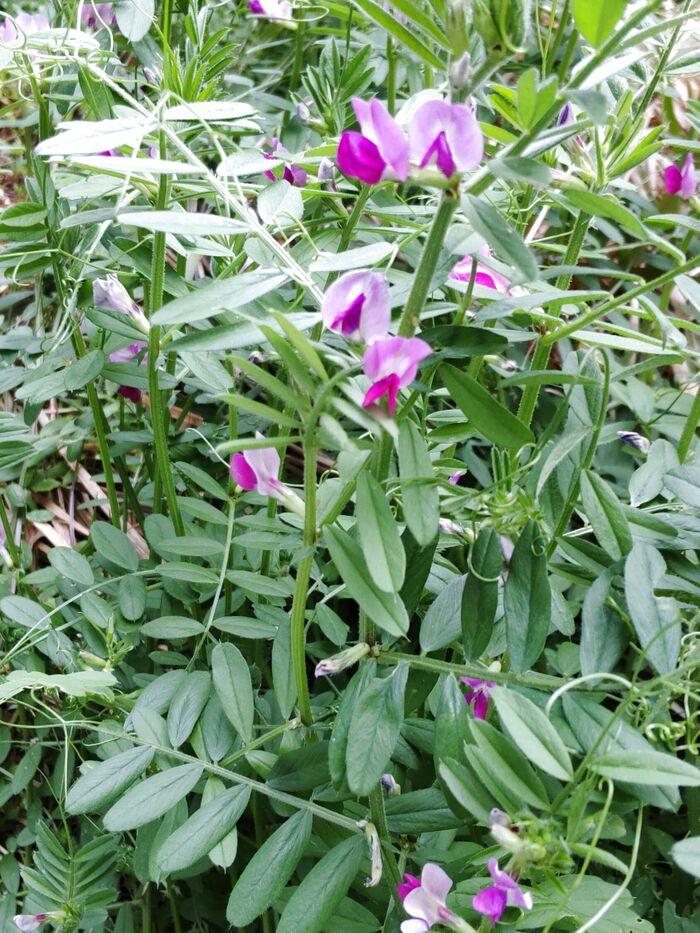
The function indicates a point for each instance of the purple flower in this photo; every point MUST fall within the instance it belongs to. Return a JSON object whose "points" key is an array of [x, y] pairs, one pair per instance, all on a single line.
{"points": [[276, 10], [292, 173], [14, 32], [110, 294], [357, 306], [96, 15], [681, 181], [126, 355], [379, 150], [446, 136], [28, 922], [455, 478], [504, 892], [478, 696], [391, 364], [410, 883], [487, 278], [565, 115], [258, 469], [425, 900], [637, 441]]}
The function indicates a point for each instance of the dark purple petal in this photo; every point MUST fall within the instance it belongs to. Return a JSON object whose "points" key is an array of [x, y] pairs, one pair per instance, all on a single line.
{"points": [[348, 321], [481, 704], [133, 394], [491, 902], [440, 149], [388, 386], [242, 473], [359, 158]]}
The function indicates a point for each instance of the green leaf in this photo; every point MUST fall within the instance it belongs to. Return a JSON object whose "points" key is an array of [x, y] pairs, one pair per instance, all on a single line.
{"points": [[684, 482], [488, 416], [337, 749], [187, 706], [280, 204], [532, 732], [421, 506], [656, 619], [410, 38], [224, 852], [656, 768], [84, 370], [106, 780], [234, 687], [465, 792], [504, 770], [114, 546], [379, 534], [527, 600], [374, 730], [505, 242], [607, 518], [134, 18], [359, 258], [152, 798], [205, 829], [217, 296], [269, 870], [70, 564], [443, 619], [480, 594], [385, 609], [527, 96], [451, 722], [172, 627], [596, 19], [603, 633], [686, 854], [313, 902], [599, 205]]}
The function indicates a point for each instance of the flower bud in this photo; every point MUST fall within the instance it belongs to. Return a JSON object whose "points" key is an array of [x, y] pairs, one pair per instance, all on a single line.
{"points": [[326, 170], [388, 782], [506, 838], [632, 439], [375, 855], [461, 71], [342, 660], [110, 294], [303, 112]]}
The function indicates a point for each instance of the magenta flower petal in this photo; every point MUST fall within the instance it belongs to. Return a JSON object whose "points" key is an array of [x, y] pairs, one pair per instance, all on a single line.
{"points": [[409, 883], [378, 126], [358, 157], [491, 902], [391, 364], [673, 179], [388, 386], [357, 305], [131, 393], [481, 705], [440, 151], [243, 475]]}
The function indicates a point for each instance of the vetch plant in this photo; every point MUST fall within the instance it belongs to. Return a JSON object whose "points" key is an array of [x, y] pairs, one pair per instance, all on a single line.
{"points": [[349, 513]]}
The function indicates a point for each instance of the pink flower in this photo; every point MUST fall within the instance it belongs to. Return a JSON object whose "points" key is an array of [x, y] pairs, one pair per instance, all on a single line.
{"points": [[357, 306], [292, 173], [410, 883], [14, 32], [681, 181], [478, 696], [446, 136], [96, 15], [258, 469], [455, 478], [487, 278], [504, 892], [391, 364], [29, 922], [126, 355], [276, 10], [425, 900], [379, 150]]}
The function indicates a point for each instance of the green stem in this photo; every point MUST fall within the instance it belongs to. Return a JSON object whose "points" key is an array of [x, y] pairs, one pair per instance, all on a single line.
{"points": [[301, 589], [410, 319], [614, 303], [177, 926], [12, 549], [528, 402], [689, 428], [391, 74]]}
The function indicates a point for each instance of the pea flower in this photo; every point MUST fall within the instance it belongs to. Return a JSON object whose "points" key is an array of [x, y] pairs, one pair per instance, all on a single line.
{"points": [[487, 278], [681, 181], [344, 659], [96, 15], [637, 441], [425, 901], [456, 477], [126, 355], [379, 151], [391, 364], [357, 306], [258, 469], [294, 174], [13, 32], [277, 10], [446, 136], [29, 922], [504, 892], [478, 696], [110, 294]]}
